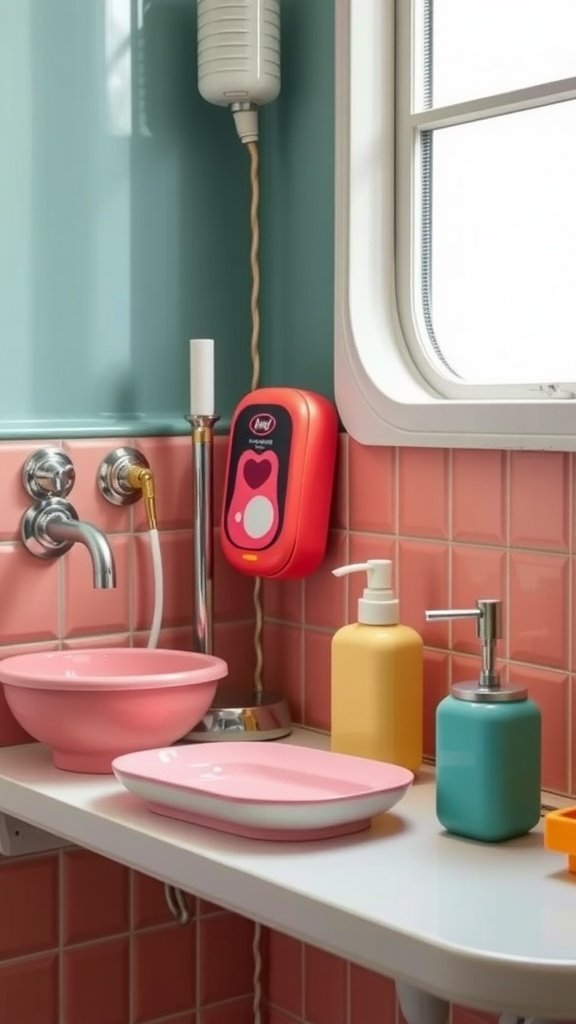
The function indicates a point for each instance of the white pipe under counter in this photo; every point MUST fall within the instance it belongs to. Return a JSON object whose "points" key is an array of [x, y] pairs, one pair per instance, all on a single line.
{"points": [[487, 926]]}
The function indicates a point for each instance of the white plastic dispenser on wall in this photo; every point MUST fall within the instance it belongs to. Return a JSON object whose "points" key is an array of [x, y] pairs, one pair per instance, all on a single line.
{"points": [[239, 58], [376, 676]]}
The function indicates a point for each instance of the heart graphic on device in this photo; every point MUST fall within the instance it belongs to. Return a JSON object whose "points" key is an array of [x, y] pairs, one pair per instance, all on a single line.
{"points": [[256, 473]]}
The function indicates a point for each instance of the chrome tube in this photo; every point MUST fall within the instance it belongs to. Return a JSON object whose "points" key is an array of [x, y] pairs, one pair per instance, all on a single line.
{"points": [[203, 522]]}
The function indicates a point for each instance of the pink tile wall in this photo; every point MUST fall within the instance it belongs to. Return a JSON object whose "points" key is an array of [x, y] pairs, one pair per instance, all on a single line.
{"points": [[84, 940], [459, 525]]}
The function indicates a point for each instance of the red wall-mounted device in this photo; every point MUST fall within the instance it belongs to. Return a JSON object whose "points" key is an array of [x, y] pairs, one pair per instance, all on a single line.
{"points": [[278, 484]]}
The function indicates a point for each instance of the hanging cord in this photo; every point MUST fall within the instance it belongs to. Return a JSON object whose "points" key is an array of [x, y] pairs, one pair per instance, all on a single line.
{"points": [[177, 903], [252, 148]]}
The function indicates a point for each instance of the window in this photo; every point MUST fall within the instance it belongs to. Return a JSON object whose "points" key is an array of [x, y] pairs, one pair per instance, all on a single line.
{"points": [[455, 221]]}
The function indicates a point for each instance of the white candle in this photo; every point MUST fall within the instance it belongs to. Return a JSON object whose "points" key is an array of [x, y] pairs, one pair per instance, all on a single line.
{"points": [[202, 376]]}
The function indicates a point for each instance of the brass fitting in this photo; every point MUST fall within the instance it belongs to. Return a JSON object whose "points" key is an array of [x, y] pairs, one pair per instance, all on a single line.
{"points": [[141, 478]]}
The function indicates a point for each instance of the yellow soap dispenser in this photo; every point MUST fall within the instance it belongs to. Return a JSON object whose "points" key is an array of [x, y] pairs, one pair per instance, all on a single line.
{"points": [[376, 677]]}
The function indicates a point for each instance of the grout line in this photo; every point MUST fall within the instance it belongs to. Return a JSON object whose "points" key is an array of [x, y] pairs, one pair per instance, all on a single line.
{"points": [[508, 562], [61, 601], [396, 490], [569, 624], [61, 912], [131, 579], [450, 493], [196, 964], [303, 976], [348, 994], [131, 950], [302, 669]]}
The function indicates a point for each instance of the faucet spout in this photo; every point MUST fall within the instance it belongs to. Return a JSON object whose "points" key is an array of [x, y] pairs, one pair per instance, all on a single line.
{"points": [[72, 530], [51, 527]]}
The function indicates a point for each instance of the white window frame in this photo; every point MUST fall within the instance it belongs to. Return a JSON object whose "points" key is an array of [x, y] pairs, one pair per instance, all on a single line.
{"points": [[381, 394]]}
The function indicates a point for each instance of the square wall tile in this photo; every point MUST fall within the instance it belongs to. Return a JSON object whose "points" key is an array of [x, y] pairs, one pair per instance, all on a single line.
{"points": [[226, 964], [149, 902], [372, 488], [96, 983], [324, 593], [539, 511], [89, 610], [235, 1011], [477, 573], [317, 664], [170, 460], [31, 883], [234, 642], [340, 502], [539, 608], [29, 991], [11, 732], [282, 971], [284, 600], [95, 896], [550, 690], [372, 997], [284, 665], [163, 972], [573, 736], [423, 584], [87, 455], [423, 492], [30, 589], [462, 1015], [277, 1017], [436, 687], [219, 457], [325, 987], [479, 496], [233, 590]]}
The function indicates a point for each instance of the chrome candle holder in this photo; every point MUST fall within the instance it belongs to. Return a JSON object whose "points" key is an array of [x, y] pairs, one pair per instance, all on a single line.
{"points": [[240, 716], [202, 428]]}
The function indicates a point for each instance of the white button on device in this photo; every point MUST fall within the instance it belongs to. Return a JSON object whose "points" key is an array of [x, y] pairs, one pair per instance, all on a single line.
{"points": [[258, 516]]}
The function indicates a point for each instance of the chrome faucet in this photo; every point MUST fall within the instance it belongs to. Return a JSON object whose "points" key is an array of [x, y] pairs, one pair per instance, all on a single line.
{"points": [[51, 526]]}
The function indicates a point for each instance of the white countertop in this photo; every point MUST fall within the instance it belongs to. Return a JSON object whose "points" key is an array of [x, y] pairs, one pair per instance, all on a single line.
{"points": [[488, 926]]}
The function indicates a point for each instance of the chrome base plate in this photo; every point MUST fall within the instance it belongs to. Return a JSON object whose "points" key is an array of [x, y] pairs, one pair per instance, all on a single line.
{"points": [[243, 716]]}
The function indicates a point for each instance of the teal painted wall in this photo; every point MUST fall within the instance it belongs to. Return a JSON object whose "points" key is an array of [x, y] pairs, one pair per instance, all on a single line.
{"points": [[124, 217], [298, 204]]}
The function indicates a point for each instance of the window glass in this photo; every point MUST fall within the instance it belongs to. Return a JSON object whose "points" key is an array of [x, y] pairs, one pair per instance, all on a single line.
{"points": [[503, 225], [492, 46], [454, 255]]}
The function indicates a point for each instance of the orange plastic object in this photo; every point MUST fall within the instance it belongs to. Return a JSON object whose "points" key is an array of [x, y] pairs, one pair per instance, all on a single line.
{"points": [[279, 480], [560, 834]]}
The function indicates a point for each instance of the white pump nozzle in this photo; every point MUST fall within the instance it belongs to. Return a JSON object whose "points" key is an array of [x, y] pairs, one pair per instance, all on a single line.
{"points": [[378, 606]]}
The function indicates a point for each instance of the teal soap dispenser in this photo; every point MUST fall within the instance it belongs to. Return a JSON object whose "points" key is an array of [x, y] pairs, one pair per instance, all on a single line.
{"points": [[487, 745]]}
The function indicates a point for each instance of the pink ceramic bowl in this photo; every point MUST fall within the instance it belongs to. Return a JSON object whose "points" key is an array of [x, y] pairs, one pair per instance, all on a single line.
{"points": [[90, 706]]}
